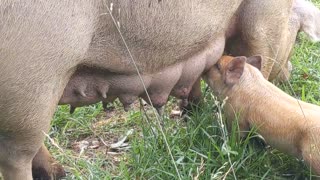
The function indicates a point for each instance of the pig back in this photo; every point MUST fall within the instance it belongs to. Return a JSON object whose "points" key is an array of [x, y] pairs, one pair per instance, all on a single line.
{"points": [[158, 33]]}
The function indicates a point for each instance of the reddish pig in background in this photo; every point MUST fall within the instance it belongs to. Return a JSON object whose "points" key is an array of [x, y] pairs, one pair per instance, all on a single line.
{"points": [[251, 33]]}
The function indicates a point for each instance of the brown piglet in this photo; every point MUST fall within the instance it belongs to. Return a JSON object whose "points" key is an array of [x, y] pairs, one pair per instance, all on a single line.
{"points": [[286, 123]]}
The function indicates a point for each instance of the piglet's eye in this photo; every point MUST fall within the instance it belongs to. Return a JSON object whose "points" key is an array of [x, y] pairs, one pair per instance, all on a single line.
{"points": [[217, 66]]}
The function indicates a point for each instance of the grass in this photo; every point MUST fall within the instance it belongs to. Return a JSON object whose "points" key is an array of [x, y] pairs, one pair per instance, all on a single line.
{"points": [[201, 148]]}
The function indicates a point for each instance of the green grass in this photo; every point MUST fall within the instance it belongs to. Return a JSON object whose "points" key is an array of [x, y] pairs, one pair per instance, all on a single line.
{"points": [[200, 146], [305, 79]]}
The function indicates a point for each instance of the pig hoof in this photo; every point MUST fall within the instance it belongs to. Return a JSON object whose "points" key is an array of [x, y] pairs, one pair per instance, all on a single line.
{"points": [[186, 107], [160, 111], [41, 173], [72, 109]]}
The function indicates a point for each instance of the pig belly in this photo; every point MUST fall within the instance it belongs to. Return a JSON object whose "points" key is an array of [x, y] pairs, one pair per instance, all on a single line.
{"points": [[91, 85]]}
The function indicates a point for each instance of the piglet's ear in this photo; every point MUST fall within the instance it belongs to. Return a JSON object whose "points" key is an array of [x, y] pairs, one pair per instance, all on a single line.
{"points": [[255, 61], [234, 70]]}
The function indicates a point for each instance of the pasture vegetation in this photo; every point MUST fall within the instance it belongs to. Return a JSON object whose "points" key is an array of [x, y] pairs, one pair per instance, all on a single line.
{"points": [[200, 147]]}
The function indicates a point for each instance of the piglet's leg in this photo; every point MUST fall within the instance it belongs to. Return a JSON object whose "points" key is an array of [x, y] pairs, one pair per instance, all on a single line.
{"points": [[310, 149], [45, 167], [193, 98]]}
